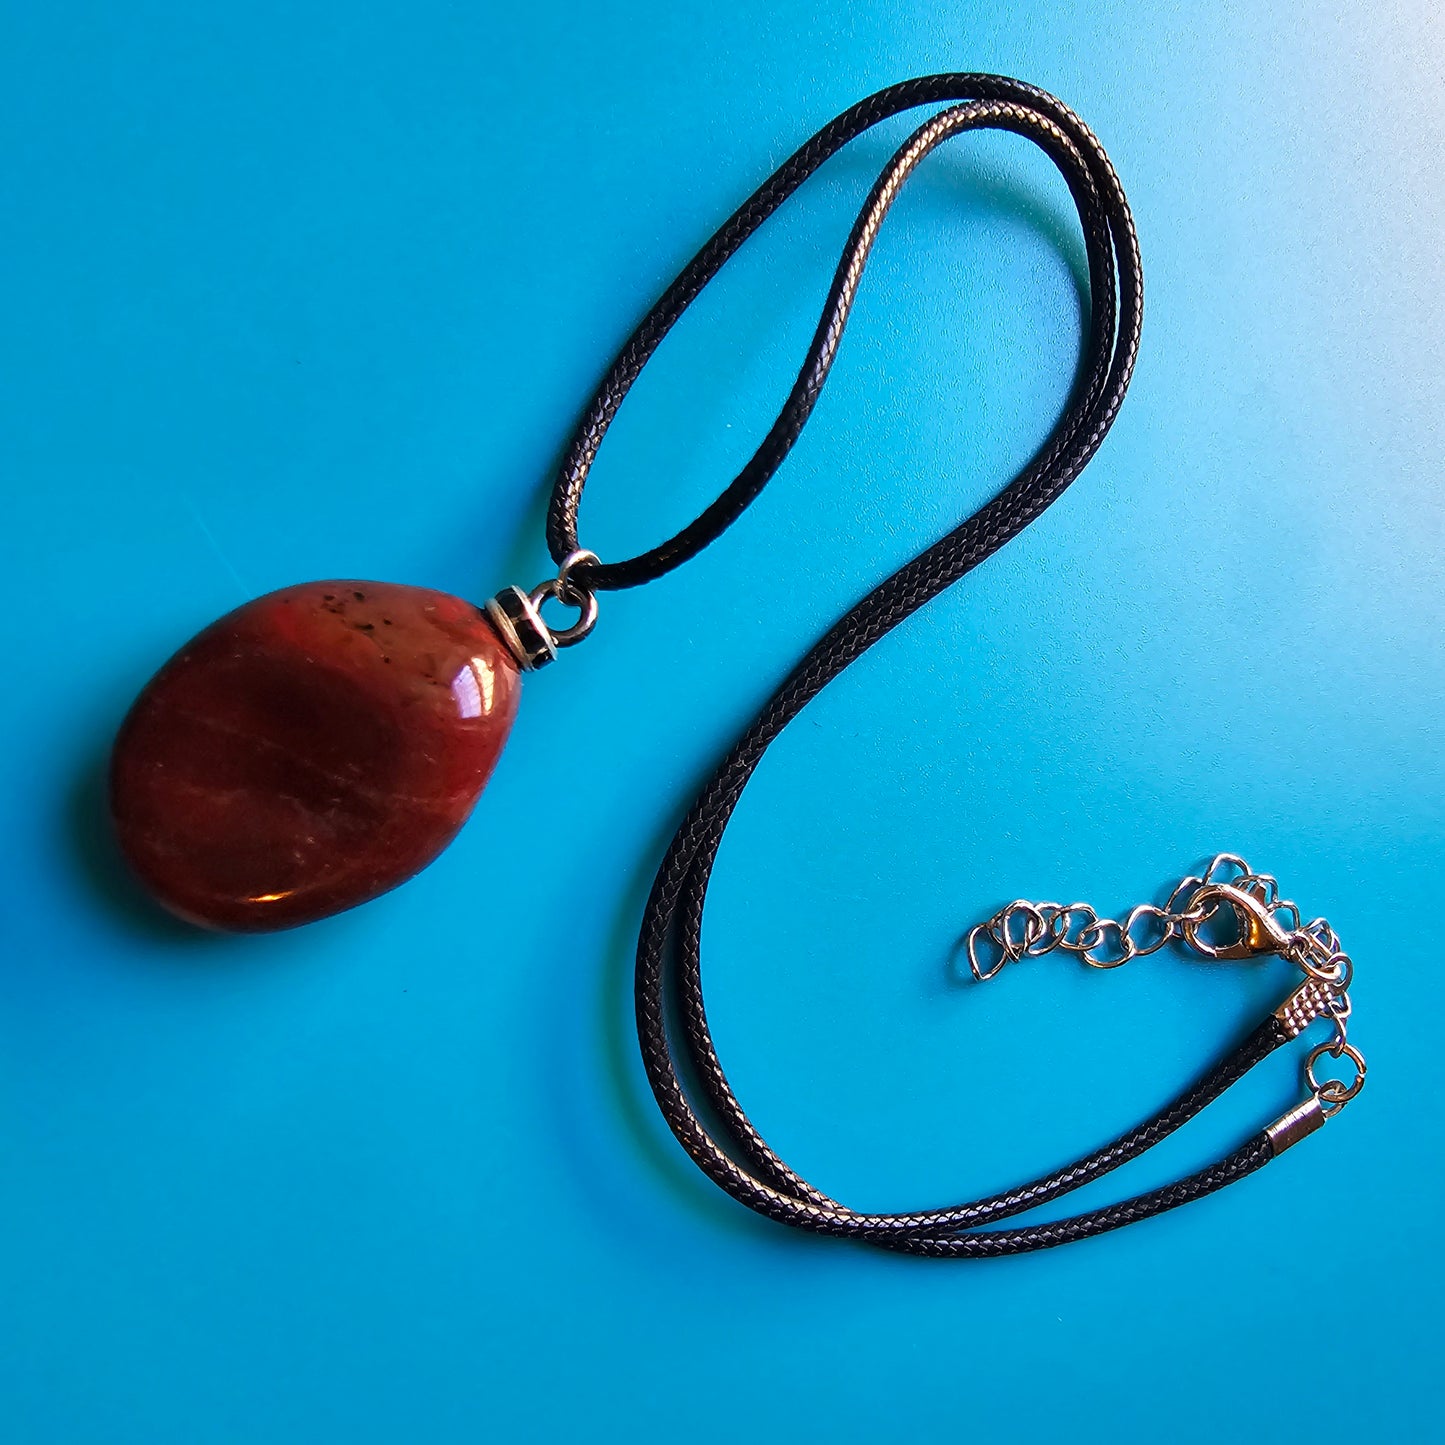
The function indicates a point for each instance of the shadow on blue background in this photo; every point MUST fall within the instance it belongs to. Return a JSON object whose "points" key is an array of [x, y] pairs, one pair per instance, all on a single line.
{"points": [[301, 292]]}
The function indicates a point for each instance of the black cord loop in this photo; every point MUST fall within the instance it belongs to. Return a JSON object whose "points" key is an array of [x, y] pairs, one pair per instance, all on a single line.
{"points": [[668, 954]]}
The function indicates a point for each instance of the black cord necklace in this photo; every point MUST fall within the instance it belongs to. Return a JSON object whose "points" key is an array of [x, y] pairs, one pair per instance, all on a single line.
{"points": [[319, 745]]}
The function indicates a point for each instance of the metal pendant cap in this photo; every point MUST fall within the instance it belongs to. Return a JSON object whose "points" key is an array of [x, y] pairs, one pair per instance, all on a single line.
{"points": [[520, 626]]}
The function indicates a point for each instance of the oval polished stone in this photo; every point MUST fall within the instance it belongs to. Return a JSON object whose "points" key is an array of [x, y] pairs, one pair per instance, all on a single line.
{"points": [[309, 751]]}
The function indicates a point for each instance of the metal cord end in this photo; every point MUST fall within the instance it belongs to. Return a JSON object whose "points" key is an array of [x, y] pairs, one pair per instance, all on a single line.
{"points": [[519, 624], [1300, 1122], [1310, 1001]]}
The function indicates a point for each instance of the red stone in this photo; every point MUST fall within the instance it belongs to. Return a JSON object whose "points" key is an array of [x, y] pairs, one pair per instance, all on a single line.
{"points": [[309, 751]]}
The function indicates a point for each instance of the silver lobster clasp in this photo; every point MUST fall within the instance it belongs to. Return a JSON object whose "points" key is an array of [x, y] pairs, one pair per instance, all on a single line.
{"points": [[1259, 931]]}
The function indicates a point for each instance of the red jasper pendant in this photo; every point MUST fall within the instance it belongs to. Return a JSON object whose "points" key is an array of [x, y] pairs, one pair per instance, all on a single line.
{"points": [[311, 750]]}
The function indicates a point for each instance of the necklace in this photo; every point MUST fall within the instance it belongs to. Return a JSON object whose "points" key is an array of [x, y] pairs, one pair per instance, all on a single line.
{"points": [[321, 744]]}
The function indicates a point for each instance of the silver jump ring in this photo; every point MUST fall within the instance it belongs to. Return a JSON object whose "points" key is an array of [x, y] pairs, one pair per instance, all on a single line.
{"points": [[1287, 906], [1034, 928], [981, 971], [1338, 971], [586, 602], [1165, 926], [1189, 886], [567, 591], [1096, 933], [1222, 861], [1339, 1093], [1090, 917], [1050, 913]]}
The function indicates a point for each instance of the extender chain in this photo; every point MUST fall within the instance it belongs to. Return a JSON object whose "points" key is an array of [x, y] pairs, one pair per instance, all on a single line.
{"points": [[1264, 924]]}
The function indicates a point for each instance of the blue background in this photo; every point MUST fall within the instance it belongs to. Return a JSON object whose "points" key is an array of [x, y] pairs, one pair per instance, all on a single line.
{"points": [[303, 291]]}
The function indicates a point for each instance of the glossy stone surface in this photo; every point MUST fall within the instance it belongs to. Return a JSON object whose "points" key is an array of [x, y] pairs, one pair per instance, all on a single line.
{"points": [[309, 751]]}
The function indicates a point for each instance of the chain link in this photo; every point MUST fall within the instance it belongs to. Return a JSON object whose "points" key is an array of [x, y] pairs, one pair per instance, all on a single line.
{"points": [[1265, 924]]}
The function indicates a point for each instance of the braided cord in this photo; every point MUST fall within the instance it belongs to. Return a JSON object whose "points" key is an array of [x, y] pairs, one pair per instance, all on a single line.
{"points": [[669, 947]]}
